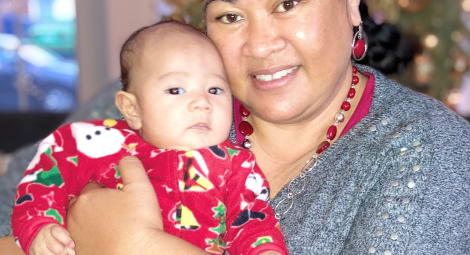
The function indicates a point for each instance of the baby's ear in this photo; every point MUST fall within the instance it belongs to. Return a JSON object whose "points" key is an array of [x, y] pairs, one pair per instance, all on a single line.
{"points": [[127, 105]]}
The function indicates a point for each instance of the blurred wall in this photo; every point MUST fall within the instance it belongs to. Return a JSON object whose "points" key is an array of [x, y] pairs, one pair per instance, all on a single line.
{"points": [[102, 27]]}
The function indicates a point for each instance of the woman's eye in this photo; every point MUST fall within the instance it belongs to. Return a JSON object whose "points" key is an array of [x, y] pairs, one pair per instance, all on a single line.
{"points": [[287, 5], [215, 91], [229, 18], [175, 91]]}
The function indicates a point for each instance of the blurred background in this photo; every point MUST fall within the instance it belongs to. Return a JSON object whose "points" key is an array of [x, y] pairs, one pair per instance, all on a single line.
{"points": [[57, 55]]}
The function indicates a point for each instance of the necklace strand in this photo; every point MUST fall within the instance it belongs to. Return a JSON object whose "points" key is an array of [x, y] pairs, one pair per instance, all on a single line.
{"points": [[287, 202]]}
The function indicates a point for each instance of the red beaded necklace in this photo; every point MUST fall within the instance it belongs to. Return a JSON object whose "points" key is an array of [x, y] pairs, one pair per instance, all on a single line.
{"points": [[246, 129]]}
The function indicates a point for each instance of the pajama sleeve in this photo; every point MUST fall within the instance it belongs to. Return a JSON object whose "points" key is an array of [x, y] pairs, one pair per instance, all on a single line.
{"points": [[42, 195], [251, 225]]}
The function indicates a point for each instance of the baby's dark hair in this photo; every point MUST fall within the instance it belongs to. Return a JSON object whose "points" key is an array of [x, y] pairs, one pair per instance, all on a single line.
{"points": [[135, 41]]}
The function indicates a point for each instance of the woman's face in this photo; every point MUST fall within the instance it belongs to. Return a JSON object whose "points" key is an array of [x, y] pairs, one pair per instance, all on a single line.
{"points": [[285, 59]]}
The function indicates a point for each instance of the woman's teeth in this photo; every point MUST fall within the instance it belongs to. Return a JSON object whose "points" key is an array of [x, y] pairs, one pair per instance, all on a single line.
{"points": [[276, 75]]}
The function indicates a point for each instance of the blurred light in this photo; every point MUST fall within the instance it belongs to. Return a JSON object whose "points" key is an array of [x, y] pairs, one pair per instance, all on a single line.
{"points": [[59, 101], [466, 5], [404, 3], [9, 42], [35, 55], [34, 11], [63, 10], [431, 41], [460, 64], [424, 68], [454, 97], [456, 36], [164, 8], [463, 106]]}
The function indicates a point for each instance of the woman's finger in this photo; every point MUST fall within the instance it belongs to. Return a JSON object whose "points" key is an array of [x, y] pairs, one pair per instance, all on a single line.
{"points": [[87, 189], [132, 171], [91, 186]]}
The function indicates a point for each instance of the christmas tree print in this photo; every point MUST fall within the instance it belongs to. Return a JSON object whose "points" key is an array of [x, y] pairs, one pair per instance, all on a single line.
{"points": [[218, 244]]}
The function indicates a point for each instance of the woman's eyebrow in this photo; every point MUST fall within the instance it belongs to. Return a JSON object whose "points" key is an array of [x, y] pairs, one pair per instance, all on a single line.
{"points": [[210, 1]]}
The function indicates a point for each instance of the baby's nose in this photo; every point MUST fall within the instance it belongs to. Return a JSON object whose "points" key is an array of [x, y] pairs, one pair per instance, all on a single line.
{"points": [[200, 102]]}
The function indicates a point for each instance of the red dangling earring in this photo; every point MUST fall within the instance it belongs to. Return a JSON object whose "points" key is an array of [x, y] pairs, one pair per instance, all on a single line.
{"points": [[245, 127], [359, 44]]}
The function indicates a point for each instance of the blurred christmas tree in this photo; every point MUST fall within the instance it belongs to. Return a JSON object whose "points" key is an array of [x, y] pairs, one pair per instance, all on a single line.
{"points": [[437, 70], [443, 40], [189, 11]]}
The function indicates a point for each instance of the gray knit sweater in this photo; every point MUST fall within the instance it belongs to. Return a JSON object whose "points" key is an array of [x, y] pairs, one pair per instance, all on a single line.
{"points": [[397, 183]]}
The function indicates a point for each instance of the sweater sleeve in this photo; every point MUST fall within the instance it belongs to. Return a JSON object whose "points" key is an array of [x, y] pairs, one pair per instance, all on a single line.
{"points": [[442, 182], [43, 194], [251, 225], [421, 202]]}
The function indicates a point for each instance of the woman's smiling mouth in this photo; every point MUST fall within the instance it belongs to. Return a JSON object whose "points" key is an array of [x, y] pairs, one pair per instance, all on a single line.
{"points": [[274, 78], [276, 75]]}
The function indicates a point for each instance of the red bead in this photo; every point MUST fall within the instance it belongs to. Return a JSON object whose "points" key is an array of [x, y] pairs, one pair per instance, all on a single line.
{"points": [[354, 69], [346, 106], [331, 133], [244, 112], [351, 93], [359, 48], [323, 146], [245, 128], [355, 80]]}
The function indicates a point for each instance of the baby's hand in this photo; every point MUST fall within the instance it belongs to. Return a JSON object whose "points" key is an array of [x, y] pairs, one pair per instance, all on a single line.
{"points": [[52, 240]]}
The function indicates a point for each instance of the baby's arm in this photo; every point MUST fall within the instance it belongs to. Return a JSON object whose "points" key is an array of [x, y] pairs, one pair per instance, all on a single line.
{"points": [[251, 225], [54, 239], [42, 195]]}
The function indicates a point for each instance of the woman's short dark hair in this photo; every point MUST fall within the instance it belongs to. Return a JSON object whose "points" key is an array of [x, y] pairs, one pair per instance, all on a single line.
{"points": [[389, 50]]}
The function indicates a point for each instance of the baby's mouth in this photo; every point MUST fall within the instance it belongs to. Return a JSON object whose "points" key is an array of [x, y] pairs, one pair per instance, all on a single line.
{"points": [[201, 126]]}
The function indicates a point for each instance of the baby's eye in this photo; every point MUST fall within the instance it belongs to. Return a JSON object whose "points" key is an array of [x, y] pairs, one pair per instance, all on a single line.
{"points": [[216, 91], [175, 91], [287, 5], [229, 18]]}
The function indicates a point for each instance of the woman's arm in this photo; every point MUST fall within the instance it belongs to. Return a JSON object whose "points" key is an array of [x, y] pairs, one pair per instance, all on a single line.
{"points": [[106, 221], [8, 246]]}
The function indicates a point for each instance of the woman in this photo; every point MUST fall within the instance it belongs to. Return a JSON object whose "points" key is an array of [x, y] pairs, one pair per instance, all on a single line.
{"points": [[395, 179]]}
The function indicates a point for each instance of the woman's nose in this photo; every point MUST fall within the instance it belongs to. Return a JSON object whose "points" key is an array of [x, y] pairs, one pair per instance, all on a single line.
{"points": [[262, 38]]}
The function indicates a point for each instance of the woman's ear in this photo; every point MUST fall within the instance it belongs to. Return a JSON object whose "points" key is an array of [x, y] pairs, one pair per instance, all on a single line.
{"points": [[354, 12], [127, 105]]}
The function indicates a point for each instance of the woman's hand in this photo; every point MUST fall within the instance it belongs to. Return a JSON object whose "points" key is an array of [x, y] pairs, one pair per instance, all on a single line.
{"points": [[107, 221]]}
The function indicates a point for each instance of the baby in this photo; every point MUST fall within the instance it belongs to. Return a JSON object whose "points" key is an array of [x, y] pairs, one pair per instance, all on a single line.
{"points": [[177, 108]]}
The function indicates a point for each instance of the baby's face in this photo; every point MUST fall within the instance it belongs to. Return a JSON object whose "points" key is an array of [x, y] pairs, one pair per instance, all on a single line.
{"points": [[182, 93]]}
